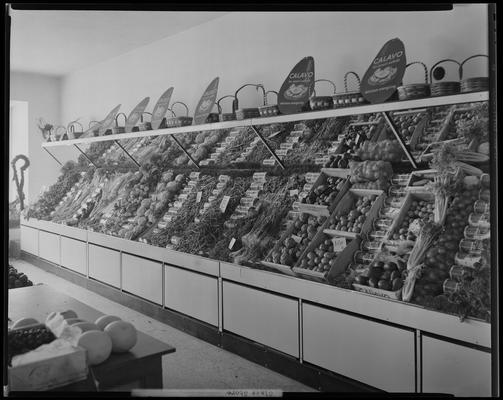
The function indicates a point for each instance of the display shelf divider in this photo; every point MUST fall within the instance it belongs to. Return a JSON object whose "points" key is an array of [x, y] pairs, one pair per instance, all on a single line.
{"points": [[127, 153], [52, 155], [273, 153], [85, 155], [185, 151], [404, 146]]}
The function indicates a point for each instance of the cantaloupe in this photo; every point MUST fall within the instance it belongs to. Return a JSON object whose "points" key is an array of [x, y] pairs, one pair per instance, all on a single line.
{"points": [[104, 320], [123, 335], [98, 345]]}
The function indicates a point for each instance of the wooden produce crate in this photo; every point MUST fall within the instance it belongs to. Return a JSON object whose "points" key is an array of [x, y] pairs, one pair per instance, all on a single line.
{"points": [[417, 177], [342, 261], [347, 202]]}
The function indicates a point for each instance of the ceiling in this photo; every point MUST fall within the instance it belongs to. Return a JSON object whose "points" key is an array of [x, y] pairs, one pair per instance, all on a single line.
{"points": [[56, 42]]}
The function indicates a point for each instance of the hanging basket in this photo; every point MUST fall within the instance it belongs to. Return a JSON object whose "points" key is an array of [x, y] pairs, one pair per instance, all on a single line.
{"points": [[145, 125], [179, 121], [214, 117], [415, 90], [269, 110], [477, 84], [245, 113], [349, 98], [119, 129], [321, 102], [446, 88], [71, 132], [226, 116]]}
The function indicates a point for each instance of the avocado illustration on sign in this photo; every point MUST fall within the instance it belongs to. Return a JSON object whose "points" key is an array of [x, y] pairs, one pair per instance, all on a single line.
{"points": [[293, 97], [160, 109], [206, 103], [135, 115], [385, 72]]}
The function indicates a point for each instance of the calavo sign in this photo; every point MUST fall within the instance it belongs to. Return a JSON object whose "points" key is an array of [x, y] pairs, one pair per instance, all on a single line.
{"points": [[385, 72], [293, 97], [206, 102]]}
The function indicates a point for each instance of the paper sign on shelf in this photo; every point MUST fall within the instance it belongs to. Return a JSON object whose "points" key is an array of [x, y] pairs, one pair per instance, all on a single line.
{"points": [[199, 195], [294, 192], [160, 108], [293, 95], [136, 114], [224, 202], [231, 243], [206, 103], [339, 243]]}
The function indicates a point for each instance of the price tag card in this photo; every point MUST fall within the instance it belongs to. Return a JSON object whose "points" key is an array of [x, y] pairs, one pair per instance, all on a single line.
{"points": [[339, 243], [293, 139], [224, 202], [257, 186], [311, 177], [259, 176], [199, 195], [204, 162], [221, 185], [282, 152], [252, 193], [297, 239], [194, 175], [231, 243], [224, 178], [210, 199], [296, 133], [269, 161], [287, 145], [294, 192], [183, 196]]}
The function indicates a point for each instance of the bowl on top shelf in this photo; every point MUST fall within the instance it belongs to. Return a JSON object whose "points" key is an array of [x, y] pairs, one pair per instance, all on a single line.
{"points": [[226, 116], [349, 98], [250, 112], [178, 121], [477, 84], [321, 102], [269, 110], [116, 129], [445, 88], [413, 91]]}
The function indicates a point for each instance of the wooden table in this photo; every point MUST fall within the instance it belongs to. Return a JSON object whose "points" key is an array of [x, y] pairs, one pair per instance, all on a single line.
{"points": [[141, 364]]}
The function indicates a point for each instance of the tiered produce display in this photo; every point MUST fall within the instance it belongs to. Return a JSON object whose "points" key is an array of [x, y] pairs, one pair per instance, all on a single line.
{"points": [[346, 209]]}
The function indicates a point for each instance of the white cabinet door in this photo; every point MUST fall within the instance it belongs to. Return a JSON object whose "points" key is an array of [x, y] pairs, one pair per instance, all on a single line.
{"points": [[454, 369], [49, 247], [73, 255], [29, 240], [192, 294], [142, 277], [105, 265], [376, 354], [261, 316]]}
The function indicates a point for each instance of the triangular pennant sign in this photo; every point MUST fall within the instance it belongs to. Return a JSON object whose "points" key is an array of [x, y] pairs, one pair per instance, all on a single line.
{"points": [[206, 102], [293, 97]]}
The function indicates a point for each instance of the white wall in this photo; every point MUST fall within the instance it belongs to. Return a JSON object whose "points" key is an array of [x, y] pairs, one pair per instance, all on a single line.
{"points": [[43, 95], [18, 143], [263, 47]]}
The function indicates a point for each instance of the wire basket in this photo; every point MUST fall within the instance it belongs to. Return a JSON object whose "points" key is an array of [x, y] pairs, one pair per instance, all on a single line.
{"points": [[321, 102], [226, 116], [71, 132], [145, 125], [415, 90], [349, 98], [214, 117], [446, 88], [119, 129], [269, 110], [245, 113], [476, 84], [178, 121]]}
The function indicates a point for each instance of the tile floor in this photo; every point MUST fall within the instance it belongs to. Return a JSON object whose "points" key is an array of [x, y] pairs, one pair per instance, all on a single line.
{"points": [[195, 364]]}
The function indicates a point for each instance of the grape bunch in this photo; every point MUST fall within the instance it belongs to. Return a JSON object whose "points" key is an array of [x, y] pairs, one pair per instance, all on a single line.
{"points": [[21, 341]]}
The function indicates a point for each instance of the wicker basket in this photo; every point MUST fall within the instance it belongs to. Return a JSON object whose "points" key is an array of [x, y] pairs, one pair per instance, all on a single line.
{"points": [[349, 98], [178, 121], [477, 84], [70, 130], [245, 113], [119, 129], [145, 125], [269, 110], [446, 88], [327, 101], [226, 116], [415, 90], [214, 117], [96, 131]]}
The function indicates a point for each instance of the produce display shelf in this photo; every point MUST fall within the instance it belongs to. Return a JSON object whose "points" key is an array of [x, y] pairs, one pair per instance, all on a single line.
{"points": [[339, 112]]}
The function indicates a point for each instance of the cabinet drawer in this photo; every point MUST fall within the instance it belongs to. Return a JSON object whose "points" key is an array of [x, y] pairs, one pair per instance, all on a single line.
{"points": [[73, 255], [454, 369], [142, 277], [192, 294], [104, 265], [261, 316], [373, 353], [29, 240], [49, 247]]}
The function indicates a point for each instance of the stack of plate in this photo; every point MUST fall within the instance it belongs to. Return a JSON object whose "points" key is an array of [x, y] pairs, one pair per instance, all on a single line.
{"points": [[444, 88], [474, 84]]}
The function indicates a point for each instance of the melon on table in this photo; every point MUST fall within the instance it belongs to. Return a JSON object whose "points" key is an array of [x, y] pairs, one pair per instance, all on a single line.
{"points": [[104, 320], [123, 335], [97, 344]]}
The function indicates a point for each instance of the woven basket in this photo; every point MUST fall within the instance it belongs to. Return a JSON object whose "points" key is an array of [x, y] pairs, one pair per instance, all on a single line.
{"points": [[415, 90], [119, 129], [477, 84], [349, 98], [245, 113], [70, 130], [446, 88], [96, 132], [145, 125], [178, 121], [214, 117], [226, 116], [328, 100], [269, 110]]}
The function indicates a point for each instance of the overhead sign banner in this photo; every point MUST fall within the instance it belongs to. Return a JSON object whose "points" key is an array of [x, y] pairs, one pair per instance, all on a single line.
{"points": [[135, 115], [385, 72], [206, 103], [160, 108], [293, 97]]}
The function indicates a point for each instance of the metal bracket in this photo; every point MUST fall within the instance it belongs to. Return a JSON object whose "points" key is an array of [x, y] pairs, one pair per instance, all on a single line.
{"points": [[268, 147], [125, 151], [404, 146], [86, 156], [52, 155], [185, 151]]}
